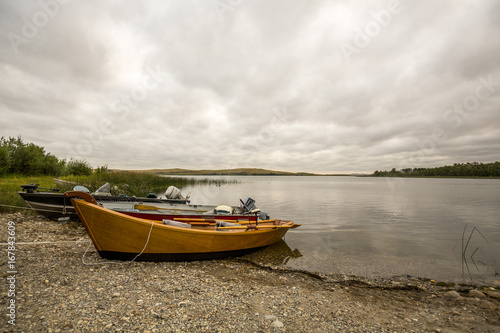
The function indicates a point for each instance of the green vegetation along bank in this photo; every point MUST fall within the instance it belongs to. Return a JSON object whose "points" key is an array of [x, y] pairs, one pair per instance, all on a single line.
{"points": [[25, 163], [474, 169]]}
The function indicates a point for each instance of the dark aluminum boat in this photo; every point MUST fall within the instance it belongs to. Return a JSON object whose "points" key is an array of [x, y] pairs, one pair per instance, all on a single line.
{"points": [[52, 203]]}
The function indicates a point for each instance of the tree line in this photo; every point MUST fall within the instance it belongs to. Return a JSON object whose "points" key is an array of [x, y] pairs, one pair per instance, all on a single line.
{"points": [[19, 157], [468, 169]]}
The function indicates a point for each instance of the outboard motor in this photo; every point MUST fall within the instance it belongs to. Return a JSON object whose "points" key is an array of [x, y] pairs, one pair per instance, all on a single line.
{"points": [[103, 190], [248, 206], [263, 216], [173, 193]]}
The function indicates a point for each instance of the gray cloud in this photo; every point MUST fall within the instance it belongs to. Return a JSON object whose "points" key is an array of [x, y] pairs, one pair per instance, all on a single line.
{"points": [[304, 86]]}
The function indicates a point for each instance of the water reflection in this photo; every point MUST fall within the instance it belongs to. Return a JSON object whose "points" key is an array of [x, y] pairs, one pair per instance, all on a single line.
{"points": [[276, 254], [362, 226], [474, 263]]}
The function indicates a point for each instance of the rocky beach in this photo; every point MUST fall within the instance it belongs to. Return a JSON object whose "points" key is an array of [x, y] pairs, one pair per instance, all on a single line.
{"points": [[54, 281]]}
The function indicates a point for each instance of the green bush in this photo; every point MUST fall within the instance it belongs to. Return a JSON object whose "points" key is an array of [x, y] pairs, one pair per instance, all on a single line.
{"points": [[79, 168], [18, 157], [4, 160]]}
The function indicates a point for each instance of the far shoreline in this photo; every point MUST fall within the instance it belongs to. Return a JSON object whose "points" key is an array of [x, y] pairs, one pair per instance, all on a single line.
{"points": [[457, 171]]}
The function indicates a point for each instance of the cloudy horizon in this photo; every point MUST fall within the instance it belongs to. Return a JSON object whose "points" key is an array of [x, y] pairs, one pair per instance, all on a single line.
{"points": [[309, 86]]}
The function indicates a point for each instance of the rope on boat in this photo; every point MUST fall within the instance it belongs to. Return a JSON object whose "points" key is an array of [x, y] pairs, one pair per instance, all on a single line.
{"points": [[19, 207], [47, 242], [29, 208], [147, 242]]}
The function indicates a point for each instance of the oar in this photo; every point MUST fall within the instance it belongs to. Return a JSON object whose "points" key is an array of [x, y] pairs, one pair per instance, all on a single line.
{"points": [[148, 207], [187, 219], [251, 227], [212, 221], [267, 221]]}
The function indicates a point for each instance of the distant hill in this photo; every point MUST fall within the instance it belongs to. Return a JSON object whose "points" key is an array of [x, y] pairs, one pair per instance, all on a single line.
{"points": [[226, 172]]}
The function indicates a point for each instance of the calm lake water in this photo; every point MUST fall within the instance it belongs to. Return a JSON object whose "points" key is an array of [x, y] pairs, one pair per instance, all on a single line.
{"points": [[443, 229]]}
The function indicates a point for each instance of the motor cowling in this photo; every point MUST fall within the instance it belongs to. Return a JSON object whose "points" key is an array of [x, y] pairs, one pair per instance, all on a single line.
{"points": [[173, 192], [248, 206]]}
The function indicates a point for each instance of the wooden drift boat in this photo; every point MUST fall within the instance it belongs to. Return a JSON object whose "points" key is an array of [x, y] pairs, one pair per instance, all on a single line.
{"points": [[119, 236]]}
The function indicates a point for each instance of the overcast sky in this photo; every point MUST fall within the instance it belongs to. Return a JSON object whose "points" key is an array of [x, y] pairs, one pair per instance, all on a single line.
{"points": [[317, 86]]}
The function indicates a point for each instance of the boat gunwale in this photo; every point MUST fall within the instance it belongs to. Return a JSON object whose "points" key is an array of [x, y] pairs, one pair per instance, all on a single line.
{"points": [[156, 223]]}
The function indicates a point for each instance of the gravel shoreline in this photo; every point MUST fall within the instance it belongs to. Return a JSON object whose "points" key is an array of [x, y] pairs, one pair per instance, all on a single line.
{"points": [[56, 291]]}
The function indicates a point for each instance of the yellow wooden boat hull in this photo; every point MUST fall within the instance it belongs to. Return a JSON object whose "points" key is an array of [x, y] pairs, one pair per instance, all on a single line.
{"points": [[123, 237]]}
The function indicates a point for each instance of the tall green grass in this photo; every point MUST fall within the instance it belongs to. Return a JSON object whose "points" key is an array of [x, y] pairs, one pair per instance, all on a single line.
{"points": [[11, 184], [136, 183]]}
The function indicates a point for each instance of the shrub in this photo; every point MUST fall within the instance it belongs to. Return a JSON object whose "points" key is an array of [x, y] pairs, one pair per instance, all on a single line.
{"points": [[79, 168], [4, 161]]}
